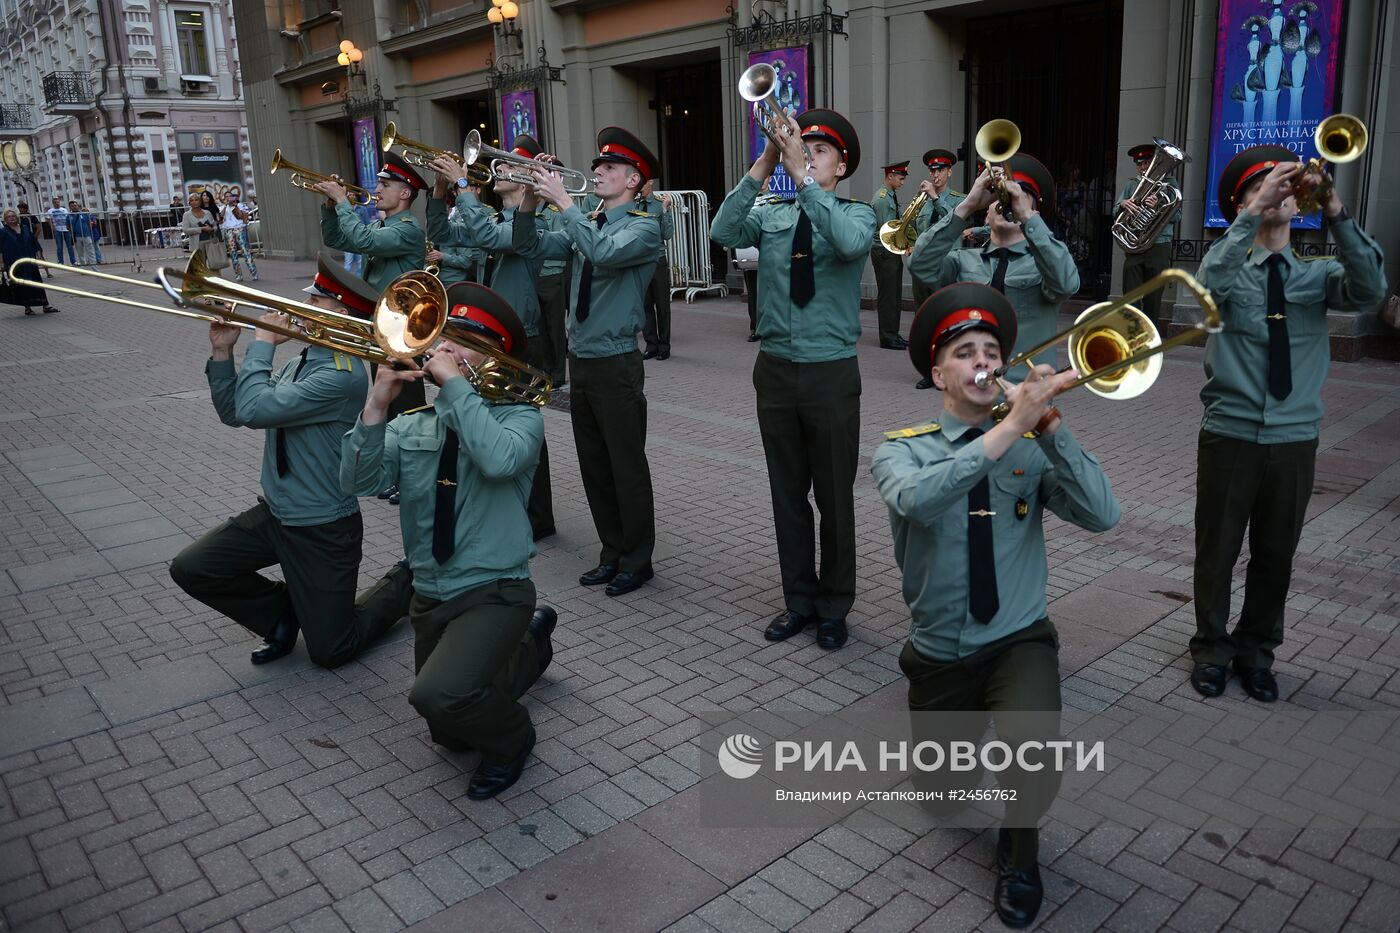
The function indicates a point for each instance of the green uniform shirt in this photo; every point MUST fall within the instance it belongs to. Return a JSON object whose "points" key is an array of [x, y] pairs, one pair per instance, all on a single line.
{"points": [[1170, 229], [1236, 394], [623, 254], [391, 247], [886, 207], [935, 210], [553, 221], [459, 263], [513, 277], [842, 231], [500, 445], [313, 411], [925, 481], [1039, 276], [668, 226]]}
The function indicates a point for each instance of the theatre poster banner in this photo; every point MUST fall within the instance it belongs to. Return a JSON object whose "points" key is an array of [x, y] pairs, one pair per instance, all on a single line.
{"points": [[794, 80]]}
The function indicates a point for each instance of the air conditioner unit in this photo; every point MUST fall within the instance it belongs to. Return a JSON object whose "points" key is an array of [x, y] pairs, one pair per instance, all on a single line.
{"points": [[196, 87], [154, 85]]}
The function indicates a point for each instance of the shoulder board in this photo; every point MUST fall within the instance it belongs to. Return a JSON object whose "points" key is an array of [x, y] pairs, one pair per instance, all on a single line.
{"points": [[414, 411], [554, 208], [883, 193], [841, 200], [344, 361], [1312, 258], [1030, 435], [957, 194], [915, 431], [640, 214]]}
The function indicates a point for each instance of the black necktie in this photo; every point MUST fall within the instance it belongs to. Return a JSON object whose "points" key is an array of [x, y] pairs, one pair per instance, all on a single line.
{"points": [[802, 284], [445, 509], [1280, 360], [982, 599], [491, 258], [1003, 256], [894, 198], [585, 279], [282, 465]]}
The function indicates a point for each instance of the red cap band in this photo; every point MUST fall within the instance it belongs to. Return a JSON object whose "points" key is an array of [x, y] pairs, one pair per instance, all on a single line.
{"points": [[522, 151], [333, 289], [939, 163], [1248, 174], [1022, 176], [485, 320], [959, 317], [403, 176], [629, 155], [825, 131]]}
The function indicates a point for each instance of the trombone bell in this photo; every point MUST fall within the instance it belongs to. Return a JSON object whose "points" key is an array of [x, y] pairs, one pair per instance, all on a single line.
{"points": [[1109, 340]]}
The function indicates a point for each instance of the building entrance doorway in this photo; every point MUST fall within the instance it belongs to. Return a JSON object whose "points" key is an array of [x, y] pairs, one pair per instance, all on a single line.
{"points": [[691, 123]]}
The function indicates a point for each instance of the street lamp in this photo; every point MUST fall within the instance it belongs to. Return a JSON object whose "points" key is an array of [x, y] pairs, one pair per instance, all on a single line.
{"points": [[503, 12], [349, 56]]}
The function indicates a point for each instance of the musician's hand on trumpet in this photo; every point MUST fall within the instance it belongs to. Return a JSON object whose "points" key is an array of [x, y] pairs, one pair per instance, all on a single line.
{"points": [[1277, 187], [549, 187], [981, 196], [449, 170], [792, 150], [333, 189], [1308, 182]]}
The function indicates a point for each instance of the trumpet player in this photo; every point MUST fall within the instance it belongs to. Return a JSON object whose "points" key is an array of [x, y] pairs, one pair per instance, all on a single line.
{"points": [[1263, 404], [1023, 260], [941, 201], [464, 467], [889, 267], [806, 377], [303, 521], [1139, 267]]}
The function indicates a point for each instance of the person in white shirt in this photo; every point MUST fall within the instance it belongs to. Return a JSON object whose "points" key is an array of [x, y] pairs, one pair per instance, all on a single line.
{"points": [[62, 236], [234, 227]]}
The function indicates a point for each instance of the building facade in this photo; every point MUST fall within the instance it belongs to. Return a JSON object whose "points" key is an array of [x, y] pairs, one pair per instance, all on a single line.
{"points": [[124, 104], [1083, 80]]}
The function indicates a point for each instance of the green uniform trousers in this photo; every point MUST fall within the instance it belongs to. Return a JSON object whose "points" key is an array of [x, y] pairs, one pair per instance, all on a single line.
{"points": [[889, 291], [609, 413], [657, 330], [475, 657], [809, 418], [1016, 682], [321, 565], [540, 508], [1138, 268], [1266, 488], [553, 291]]}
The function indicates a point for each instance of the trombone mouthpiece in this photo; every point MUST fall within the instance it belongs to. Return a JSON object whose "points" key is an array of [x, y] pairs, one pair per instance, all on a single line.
{"points": [[984, 378]]}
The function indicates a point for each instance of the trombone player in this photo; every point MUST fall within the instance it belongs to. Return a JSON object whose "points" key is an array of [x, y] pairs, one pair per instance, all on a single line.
{"points": [[1141, 266], [302, 521], [1263, 404], [889, 266]]}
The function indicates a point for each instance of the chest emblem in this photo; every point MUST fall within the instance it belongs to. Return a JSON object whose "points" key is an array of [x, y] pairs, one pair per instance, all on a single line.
{"points": [[1022, 508]]}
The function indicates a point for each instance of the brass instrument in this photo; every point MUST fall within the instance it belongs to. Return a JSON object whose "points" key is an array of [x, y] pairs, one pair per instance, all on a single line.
{"points": [[996, 142], [1115, 347], [421, 155], [305, 178], [894, 234], [109, 277], [500, 164], [758, 85], [1340, 138], [429, 266], [501, 378], [1136, 230]]}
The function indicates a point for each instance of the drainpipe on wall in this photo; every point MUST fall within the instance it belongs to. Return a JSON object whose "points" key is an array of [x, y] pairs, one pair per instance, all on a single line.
{"points": [[108, 43]]}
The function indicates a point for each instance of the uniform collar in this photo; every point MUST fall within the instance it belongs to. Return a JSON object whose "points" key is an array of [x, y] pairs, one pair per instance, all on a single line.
{"points": [[1258, 257], [954, 429], [1015, 248]]}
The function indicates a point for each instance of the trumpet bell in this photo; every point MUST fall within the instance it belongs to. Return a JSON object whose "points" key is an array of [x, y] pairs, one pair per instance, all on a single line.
{"points": [[1110, 340], [997, 141], [757, 82], [1340, 138]]}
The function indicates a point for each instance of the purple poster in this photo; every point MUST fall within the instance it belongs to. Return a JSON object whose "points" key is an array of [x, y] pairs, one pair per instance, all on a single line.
{"points": [[1275, 79], [366, 154], [519, 115], [791, 95]]}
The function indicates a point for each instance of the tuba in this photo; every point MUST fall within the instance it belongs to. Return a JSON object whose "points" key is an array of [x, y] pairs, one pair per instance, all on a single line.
{"points": [[1136, 231], [894, 234]]}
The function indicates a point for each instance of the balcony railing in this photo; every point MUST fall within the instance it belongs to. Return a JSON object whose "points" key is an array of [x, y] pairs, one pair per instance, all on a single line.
{"points": [[67, 89], [15, 117]]}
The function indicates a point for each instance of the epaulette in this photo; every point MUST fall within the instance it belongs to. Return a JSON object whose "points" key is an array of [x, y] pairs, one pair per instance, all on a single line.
{"points": [[957, 194], [343, 361], [914, 431], [640, 214], [414, 411], [1030, 435], [883, 193], [554, 208]]}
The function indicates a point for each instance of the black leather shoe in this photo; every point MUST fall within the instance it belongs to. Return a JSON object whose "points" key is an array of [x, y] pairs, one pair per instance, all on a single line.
{"points": [[831, 633], [1209, 679], [599, 575], [391, 491], [753, 338], [924, 383], [394, 499], [1019, 890], [664, 355], [490, 780], [541, 627], [786, 625], [1258, 682], [901, 344], [628, 580], [543, 533], [649, 355], [278, 643]]}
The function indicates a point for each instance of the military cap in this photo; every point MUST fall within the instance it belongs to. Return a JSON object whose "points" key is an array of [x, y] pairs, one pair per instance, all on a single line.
{"points": [[1034, 177], [897, 168], [1141, 153], [526, 145], [477, 310], [1246, 166], [333, 281], [956, 308], [397, 169], [617, 145], [836, 129], [939, 158]]}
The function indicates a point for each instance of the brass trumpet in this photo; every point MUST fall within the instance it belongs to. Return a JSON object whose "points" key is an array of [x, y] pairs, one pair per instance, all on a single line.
{"points": [[305, 178], [1340, 138], [758, 85], [501, 378], [500, 164], [996, 142], [421, 155]]}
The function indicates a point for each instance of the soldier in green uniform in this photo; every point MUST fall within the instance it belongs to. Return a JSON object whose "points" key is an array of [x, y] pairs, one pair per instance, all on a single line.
{"points": [[966, 497], [889, 267], [464, 466], [553, 289], [1139, 267], [302, 521], [617, 249], [657, 330], [513, 277], [806, 377], [1263, 404], [941, 202], [1023, 260]]}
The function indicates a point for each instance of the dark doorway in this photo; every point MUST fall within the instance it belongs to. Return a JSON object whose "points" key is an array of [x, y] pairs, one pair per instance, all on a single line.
{"points": [[690, 117], [1062, 91], [476, 114]]}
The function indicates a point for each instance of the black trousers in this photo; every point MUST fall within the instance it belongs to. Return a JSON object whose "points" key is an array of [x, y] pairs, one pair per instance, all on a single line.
{"points": [[809, 418], [657, 330], [540, 508], [751, 297], [889, 284], [474, 658], [921, 292], [1139, 267], [1265, 488], [553, 291], [321, 564], [1015, 682], [609, 412]]}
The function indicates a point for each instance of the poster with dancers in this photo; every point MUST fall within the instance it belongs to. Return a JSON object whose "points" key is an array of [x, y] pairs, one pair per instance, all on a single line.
{"points": [[1276, 64], [519, 114], [791, 95]]}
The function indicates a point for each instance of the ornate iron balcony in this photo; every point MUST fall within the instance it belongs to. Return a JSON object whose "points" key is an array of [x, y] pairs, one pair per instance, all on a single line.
{"points": [[67, 89], [15, 117]]}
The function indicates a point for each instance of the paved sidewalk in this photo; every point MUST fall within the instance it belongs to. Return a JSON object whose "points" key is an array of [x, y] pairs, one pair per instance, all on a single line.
{"points": [[153, 779]]}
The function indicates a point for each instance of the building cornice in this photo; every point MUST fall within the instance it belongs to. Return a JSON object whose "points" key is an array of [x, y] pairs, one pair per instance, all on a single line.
{"points": [[452, 28]]}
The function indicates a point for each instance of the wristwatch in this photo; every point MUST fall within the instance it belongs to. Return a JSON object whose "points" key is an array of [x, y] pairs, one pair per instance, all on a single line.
{"points": [[463, 183], [807, 180]]}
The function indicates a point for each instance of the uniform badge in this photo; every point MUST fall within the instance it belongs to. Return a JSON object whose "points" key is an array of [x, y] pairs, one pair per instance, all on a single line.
{"points": [[1022, 508]]}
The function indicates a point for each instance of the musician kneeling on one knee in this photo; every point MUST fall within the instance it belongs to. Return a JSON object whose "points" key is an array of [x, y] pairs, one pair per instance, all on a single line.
{"points": [[463, 468], [966, 497]]}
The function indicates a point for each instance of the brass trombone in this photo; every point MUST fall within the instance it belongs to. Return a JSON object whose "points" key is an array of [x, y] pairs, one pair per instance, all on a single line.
{"points": [[421, 155], [109, 277], [305, 178], [1340, 138], [500, 164], [996, 142]]}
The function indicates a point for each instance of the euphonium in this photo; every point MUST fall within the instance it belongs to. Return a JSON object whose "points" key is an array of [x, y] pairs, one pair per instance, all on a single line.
{"points": [[305, 178], [894, 234], [1340, 138], [1136, 231]]}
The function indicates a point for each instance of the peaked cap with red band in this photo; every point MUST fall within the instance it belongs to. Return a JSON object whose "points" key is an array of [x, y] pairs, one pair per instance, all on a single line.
{"points": [[939, 158], [617, 145], [526, 145], [1033, 176], [334, 282], [475, 309], [396, 169], [960, 307], [897, 168], [1142, 153], [836, 129], [1246, 166]]}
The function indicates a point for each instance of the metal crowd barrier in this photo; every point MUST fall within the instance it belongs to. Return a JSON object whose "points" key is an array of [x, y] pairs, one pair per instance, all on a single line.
{"points": [[688, 251]]}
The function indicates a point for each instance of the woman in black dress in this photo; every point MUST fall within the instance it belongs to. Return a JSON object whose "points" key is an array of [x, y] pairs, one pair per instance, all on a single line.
{"points": [[19, 243]]}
